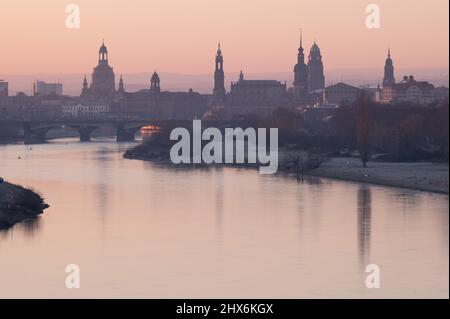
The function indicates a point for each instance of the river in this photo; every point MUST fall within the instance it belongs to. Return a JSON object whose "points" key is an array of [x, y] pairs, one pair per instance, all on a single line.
{"points": [[137, 229]]}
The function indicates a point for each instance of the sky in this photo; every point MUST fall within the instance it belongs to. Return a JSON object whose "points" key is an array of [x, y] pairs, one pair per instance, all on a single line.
{"points": [[181, 36]]}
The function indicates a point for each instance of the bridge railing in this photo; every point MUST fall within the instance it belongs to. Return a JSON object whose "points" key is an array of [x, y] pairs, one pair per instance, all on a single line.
{"points": [[77, 118]]}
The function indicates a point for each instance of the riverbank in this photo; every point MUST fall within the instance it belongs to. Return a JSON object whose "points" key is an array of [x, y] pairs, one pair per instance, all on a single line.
{"points": [[18, 204], [423, 176]]}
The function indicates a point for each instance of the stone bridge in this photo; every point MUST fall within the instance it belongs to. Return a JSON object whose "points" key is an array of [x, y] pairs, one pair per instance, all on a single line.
{"points": [[35, 130]]}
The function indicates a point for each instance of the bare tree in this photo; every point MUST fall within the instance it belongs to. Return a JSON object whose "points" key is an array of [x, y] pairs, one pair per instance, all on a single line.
{"points": [[303, 161]]}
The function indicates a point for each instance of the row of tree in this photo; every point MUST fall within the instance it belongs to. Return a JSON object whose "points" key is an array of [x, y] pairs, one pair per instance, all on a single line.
{"points": [[395, 132]]}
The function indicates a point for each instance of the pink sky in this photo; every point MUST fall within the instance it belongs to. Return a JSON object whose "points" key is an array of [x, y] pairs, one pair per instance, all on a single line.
{"points": [[256, 35]]}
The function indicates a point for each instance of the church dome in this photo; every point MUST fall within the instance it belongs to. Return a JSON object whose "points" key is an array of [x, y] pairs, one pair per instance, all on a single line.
{"points": [[315, 48]]}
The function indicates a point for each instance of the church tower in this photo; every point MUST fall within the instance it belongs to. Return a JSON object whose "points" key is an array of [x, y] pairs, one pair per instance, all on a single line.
{"points": [[301, 76], [103, 83], [316, 78], [219, 79], [155, 87], [388, 79]]}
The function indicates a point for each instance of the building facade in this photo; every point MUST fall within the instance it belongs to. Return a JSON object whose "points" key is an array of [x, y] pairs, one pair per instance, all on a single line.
{"points": [[3, 88], [84, 110], [410, 90], [256, 96], [341, 93], [43, 88], [257, 92]]}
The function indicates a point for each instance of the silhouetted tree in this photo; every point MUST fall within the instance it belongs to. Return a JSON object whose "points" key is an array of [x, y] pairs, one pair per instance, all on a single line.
{"points": [[343, 127], [287, 122], [363, 126]]}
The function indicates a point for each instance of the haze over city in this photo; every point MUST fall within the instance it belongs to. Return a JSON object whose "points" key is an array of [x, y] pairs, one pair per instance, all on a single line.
{"points": [[178, 36]]}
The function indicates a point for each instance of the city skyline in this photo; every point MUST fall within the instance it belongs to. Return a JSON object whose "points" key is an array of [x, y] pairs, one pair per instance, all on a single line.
{"points": [[438, 76], [228, 150], [264, 44]]}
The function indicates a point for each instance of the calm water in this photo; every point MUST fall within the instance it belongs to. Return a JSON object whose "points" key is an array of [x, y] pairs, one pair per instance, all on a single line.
{"points": [[140, 230]]}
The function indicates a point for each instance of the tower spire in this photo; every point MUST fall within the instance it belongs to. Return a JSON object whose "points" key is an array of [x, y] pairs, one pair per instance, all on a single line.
{"points": [[219, 50], [121, 85], [388, 79], [301, 38], [85, 89], [219, 79], [301, 57]]}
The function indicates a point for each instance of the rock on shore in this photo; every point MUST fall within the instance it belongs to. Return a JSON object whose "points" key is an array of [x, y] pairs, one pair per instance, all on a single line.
{"points": [[18, 204]]}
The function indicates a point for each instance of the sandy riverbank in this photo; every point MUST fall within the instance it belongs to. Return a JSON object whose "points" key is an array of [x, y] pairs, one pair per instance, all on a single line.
{"points": [[18, 204], [431, 177]]}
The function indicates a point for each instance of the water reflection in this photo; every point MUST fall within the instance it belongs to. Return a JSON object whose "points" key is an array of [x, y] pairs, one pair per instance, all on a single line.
{"points": [[103, 158], [139, 229], [219, 190], [29, 228], [364, 223]]}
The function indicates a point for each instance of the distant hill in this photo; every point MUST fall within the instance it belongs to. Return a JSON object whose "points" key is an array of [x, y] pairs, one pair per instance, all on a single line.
{"points": [[204, 82]]}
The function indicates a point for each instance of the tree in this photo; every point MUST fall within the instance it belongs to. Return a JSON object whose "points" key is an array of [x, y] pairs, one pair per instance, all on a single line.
{"points": [[363, 126]]}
